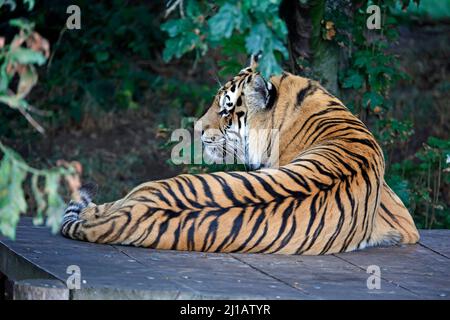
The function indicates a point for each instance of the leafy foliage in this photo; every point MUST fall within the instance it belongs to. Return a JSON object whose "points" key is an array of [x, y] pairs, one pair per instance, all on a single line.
{"points": [[422, 182], [225, 23], [99, 67], [13, 174], [372, 72], [20, 60], [17, 59]]}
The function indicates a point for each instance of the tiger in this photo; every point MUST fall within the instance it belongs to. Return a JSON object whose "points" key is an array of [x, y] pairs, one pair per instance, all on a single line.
{"points": [[322, 192]]}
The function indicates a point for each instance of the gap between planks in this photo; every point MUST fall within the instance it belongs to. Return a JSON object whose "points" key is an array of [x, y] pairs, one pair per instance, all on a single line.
{"points": [[382, 278]]}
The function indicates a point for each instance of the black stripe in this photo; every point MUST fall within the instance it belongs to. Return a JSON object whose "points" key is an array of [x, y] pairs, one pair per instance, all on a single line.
{"points": [[316, 234], [266, 186], [272, 98], [190, 186], [297, 178], [317, 114], [191, 231], [207, 190], [259, 239], [227, 191], [212, 232], [247, 184], [354, 217], [312, 214], [284, 219], [234, 232], [339, 224], [305, 92], [255, 228], [107, 233]]}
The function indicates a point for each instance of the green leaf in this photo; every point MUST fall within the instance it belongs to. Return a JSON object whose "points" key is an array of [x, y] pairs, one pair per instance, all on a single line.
{"points": [[5, 169], [4, 78], [362, 58], [183, 38], [400, 187], [256, 40], [261, 38], [258, 21], [228, 18], [438, 143], [27, 56], [13, 172], [30, 4], [231, 48], [268, 65], [10, 3], [354, 80], [21, 24], [16, 191], [257, 5], [12, 200], [178, 46], [39, 198], [372, 99], [55, 204], [193, 9], [14, 101], [177, 26], [101, 56]]}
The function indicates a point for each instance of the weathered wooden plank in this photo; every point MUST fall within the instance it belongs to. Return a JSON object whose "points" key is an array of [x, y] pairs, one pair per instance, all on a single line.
{"points": [[412, 267], [39, 289], [323, 277], [18, 266], [436, 240], [107, 272], [119, 272], [213, 275]]}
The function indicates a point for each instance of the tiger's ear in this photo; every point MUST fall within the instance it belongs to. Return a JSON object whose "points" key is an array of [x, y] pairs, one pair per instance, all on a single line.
{"points": [[254, 58], [259, 93]]}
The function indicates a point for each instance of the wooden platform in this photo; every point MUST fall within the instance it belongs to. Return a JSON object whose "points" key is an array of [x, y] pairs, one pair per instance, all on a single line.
{"points": [[35, 266]]}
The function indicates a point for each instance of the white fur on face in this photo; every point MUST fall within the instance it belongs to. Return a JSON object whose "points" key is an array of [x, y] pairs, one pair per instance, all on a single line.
{"points": [[255, 148], [250, 146], [228, 100]]}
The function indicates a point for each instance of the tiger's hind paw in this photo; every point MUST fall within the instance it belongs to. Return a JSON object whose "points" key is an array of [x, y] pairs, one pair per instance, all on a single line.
{"points": [[386, 239], [391, 238]]}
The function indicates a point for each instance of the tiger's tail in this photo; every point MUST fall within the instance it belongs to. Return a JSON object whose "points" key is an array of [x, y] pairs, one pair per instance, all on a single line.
{"points": [[87, 192]]}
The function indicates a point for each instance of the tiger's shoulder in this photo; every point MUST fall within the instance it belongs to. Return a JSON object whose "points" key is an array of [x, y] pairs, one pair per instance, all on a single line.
{"points": [[297, 89]]}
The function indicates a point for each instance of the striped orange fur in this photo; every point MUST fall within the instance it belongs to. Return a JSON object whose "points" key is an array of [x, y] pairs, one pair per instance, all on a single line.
{"points": [[323, 192]]}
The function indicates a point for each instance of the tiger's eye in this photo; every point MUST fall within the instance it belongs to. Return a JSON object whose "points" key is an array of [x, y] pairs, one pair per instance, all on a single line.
{"points": [[223, 113]]}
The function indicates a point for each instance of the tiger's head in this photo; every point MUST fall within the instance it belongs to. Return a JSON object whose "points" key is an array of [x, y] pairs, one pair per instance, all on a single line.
{"points": [[233, 125], [262, 123]]}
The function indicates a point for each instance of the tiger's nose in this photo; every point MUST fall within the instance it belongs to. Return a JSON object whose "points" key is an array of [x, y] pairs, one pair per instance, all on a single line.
{"points": [[208, 139], [212, 136]]}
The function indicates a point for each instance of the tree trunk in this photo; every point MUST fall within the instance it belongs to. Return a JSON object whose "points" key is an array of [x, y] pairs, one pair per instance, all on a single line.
{"points": [[310, 55]]}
